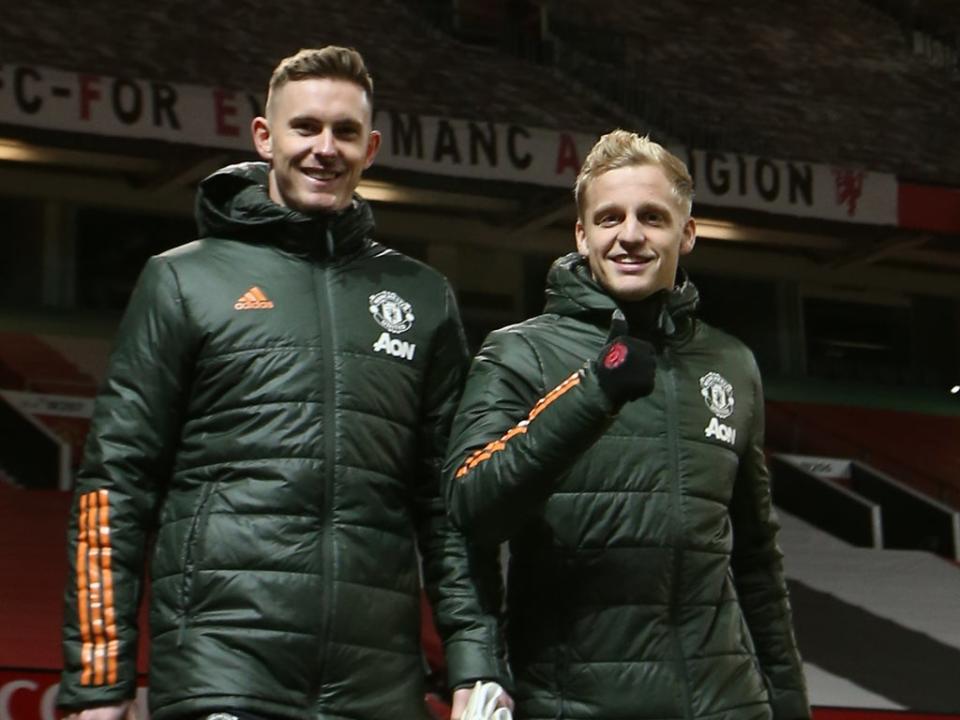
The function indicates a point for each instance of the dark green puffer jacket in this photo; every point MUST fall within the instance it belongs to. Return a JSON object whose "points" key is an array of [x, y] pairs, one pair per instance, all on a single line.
{"points": [[277, 406], [645, 580]]}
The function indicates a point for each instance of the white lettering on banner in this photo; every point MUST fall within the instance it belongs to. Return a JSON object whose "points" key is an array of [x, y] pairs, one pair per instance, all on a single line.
{"points": [[7, 691], [213, 117], [48, 704], [45, 707], [125, 107], [481, 150], [793, 188]]}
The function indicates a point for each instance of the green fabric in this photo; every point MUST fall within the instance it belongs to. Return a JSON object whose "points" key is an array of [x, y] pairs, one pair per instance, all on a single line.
{"points": [[645, 580], [287, 457]]}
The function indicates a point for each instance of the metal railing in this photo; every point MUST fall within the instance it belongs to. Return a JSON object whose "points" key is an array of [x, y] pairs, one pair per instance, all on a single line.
{"points": [[31, 455], [788, 431], [824, 504]]}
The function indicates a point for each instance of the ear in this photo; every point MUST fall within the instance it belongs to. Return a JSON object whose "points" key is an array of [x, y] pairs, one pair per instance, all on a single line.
{"points": [[581, 236], [689, 236], [373, 147], [262, 140]]}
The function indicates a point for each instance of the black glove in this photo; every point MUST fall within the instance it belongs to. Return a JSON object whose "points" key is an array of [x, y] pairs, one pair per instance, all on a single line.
{"points": [[626, 365]]}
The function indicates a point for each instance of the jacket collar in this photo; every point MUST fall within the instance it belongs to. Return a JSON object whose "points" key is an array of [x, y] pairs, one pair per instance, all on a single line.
{"points": [[572, 291], [235, 202]]}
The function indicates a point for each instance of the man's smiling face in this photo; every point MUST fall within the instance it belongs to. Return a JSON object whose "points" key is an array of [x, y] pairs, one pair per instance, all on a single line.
{"points": [[317, 137], [633, 231]]}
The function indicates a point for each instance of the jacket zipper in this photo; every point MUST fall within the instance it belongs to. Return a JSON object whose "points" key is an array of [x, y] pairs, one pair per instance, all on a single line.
{"points": [[676, 496], [328, 560], [189, 557]]}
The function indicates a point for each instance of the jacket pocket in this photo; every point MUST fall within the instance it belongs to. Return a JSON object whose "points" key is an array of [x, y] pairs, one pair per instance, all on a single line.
{"points": [[191, 552]]}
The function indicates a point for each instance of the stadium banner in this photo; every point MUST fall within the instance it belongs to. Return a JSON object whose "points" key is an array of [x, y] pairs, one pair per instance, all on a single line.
{"points": [[28, 695], [120, 107]]}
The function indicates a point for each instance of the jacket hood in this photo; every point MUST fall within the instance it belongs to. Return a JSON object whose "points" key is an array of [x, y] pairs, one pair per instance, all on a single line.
{"points": [[234, 202], [572, 291]]}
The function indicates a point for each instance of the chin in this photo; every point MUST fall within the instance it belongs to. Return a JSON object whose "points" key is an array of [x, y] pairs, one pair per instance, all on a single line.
{"points": [[631, 294], [319, 205], [632, 297], [628, 291]]}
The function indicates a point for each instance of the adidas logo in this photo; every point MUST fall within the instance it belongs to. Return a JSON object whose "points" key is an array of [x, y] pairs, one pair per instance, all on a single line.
{"points": [[253, 299]]}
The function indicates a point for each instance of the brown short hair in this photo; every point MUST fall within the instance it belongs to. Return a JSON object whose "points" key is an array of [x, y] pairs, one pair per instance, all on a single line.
{"points": [[621, 148], [331, 61]]}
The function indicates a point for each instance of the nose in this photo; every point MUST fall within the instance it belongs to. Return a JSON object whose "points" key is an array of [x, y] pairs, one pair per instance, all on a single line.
{"points": [[631, 232], [324, 144]]}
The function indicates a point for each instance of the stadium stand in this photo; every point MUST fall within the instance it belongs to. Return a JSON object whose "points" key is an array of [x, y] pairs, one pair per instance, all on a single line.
{"points": [[813, 96], [878, 629], [864, 506], [838, 81], [236, 44], [908, 445], [28, 363]]}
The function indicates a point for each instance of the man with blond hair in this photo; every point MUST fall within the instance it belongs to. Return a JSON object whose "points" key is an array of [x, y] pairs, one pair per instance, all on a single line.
{"points": [[275, 414], [616, 443]]}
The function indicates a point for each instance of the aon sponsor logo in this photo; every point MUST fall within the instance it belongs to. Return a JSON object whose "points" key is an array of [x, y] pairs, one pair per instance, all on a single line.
{"points": [[718, 430], [394, 347]]}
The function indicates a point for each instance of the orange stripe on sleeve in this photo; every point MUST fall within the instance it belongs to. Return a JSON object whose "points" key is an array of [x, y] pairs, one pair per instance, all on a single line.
{"points": [[109, 608], [520, 428], [83, 615], [96, 589]]}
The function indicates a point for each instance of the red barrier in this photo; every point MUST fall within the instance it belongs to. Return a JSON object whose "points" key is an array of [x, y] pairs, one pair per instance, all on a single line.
{"points": [[835, 713], [928, 207]]}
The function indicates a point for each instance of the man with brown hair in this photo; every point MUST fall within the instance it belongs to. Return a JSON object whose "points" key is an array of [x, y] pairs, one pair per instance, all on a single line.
{"points": [[275, 414], [616, 442]]}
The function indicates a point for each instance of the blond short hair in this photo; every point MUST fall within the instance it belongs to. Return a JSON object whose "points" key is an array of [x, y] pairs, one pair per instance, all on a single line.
{"points": [[621, 148], [331, 61]]}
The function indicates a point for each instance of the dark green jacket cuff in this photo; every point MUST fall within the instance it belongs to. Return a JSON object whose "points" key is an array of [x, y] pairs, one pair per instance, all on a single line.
{"points": [[469, 661]]}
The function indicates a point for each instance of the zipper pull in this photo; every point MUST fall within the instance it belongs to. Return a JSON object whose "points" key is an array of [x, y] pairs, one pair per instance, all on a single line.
{"points": [[329, 243]]}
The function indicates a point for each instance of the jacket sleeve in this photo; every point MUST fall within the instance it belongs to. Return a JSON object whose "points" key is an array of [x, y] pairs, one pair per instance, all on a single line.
{"points": [[127, 459], [513, 438], [466, 618], [759, 577]]}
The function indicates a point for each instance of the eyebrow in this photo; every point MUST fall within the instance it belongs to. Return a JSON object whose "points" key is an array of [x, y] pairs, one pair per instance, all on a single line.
{"points": [[605, 208], [338, 122], [614, 206]]}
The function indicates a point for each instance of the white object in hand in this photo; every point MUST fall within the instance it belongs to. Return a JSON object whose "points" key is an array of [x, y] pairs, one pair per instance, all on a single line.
{"points": [[482, 704]]}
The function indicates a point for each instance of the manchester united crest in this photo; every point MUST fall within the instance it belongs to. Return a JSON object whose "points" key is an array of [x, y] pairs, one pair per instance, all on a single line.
{"points": [[717, 394], [391, 311]]}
